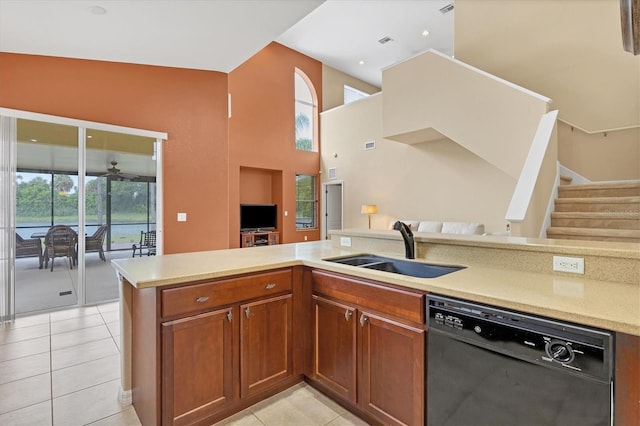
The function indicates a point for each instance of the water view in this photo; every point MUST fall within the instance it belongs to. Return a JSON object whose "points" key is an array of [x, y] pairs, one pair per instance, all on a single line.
{"points": [[122, 236]]}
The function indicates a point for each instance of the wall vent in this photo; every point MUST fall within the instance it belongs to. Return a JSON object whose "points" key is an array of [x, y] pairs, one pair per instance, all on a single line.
{"points": [[448, 8], [332, 173], [385, 40], [369, 145]]}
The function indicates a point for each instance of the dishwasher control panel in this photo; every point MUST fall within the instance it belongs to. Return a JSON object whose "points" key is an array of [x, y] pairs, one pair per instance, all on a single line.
{"points": [[568, 347]]}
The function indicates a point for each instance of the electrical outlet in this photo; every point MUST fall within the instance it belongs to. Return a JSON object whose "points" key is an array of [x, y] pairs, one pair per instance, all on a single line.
{"points": [[345, 241], [574, 265]]}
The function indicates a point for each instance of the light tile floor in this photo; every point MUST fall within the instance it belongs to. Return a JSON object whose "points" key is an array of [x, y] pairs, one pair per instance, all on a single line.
{"points": [[63, 368]]}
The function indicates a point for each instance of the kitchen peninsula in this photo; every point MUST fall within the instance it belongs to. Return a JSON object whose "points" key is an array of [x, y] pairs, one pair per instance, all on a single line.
{"points": [[169, 300]]}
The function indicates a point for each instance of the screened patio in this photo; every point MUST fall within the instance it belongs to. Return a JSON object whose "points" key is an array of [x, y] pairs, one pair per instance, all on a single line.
{"points": [[113, 175]]}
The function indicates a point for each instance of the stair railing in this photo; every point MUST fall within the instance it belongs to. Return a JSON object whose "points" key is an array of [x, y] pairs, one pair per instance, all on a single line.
{"points": [[526, 211]]}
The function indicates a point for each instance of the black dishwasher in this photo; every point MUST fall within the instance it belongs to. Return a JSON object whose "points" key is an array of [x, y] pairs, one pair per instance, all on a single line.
{"points": [[490, 366]]}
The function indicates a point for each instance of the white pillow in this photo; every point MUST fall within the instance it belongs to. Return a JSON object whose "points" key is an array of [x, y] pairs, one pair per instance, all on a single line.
{"points": [[462, 228], [430, 226], [413, 224]]}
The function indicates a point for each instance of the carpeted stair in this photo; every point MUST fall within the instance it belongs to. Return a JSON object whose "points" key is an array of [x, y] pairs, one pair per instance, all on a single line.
{"points": [[601, 211]]}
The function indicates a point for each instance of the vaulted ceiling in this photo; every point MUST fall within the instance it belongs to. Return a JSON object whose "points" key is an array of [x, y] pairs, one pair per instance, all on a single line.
{"points": [[568, 50], [219, 35]]}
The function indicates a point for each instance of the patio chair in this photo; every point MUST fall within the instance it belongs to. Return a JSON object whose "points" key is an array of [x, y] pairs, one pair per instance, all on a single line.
{"points": [[31, 247], [60, 241], [95, 242], [147, 242]]}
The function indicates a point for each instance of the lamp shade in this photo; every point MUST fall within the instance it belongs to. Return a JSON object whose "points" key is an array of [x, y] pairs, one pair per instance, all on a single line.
{"points": [[369, 209]]}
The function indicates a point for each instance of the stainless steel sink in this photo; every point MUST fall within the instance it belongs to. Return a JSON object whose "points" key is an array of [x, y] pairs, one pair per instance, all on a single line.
{"points": [[396, 266]]}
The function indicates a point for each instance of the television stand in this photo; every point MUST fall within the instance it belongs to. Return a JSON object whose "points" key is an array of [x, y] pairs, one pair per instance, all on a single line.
{"points": [[259, 238]]}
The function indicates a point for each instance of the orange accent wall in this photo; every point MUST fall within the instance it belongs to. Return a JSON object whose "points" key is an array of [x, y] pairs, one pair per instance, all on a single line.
{"points": [[262, 132], [190, 105], [256, 186]]}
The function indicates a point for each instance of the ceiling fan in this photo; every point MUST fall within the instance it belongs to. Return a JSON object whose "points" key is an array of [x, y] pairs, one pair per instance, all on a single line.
{"points": [[114, 173]]}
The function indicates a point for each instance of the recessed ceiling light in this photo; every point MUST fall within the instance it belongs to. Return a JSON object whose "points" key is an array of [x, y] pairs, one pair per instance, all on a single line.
{"points": [[97, 10], [360, 62], [89, 136], [34, 140], [425, 33]]}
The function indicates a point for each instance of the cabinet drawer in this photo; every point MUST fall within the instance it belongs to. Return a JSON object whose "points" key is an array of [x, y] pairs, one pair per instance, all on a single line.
{"points": [[184, 300], [401, 304]]}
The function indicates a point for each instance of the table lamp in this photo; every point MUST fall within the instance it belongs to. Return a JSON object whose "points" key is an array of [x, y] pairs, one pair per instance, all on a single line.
{"points": [[369, 209]]}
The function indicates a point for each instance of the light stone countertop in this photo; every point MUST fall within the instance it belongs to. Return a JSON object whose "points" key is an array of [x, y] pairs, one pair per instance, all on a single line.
{"points": [[609, 305]]}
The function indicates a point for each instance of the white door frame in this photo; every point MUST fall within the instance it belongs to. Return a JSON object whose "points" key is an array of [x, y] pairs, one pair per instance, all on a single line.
{"points": [[323, 220]]}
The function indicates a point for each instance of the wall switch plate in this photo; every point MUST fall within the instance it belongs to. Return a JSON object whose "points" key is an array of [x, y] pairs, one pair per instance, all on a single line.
{"points": [[345, 241], [574, 265], [182, 217]]}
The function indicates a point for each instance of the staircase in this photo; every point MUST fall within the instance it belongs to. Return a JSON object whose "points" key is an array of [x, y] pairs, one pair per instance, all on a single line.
{"points": [[605, 211]]}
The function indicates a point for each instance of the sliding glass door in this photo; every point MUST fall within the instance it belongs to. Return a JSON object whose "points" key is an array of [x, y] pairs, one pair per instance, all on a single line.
{"points": [[46, 267], [7, 217], [119, 201], [78, 196]]}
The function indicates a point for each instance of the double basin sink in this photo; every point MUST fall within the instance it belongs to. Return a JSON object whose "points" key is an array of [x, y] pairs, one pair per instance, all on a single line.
{"points": [[396, 266]]}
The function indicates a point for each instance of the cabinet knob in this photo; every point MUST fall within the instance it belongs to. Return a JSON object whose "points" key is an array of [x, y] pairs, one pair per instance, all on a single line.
{"points": [[270, 286], [247, 312], [347, 314], [230, 315], [202, 299], [363, 319]]}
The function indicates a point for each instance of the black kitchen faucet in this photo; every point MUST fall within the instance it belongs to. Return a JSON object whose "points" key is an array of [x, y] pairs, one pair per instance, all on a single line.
{"points": [[407, 235]]}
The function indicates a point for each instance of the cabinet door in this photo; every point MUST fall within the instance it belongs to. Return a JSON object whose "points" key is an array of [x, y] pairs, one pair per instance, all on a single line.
{"points": [[392, 370], [334, 346], [627, 380], [247, 240], [197, 366], [266, 347]]}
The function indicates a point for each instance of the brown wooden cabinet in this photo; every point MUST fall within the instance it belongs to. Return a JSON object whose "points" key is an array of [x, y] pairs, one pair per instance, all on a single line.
{"points": [[368, 347], [197, 365], [222, 346], [257, 238], [334, 331], [627, 380], [392, 376], [202, 351], [266, 350]]}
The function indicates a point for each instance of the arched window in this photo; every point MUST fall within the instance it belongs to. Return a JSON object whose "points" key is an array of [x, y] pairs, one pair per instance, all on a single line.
{"points": [[306, 110]]}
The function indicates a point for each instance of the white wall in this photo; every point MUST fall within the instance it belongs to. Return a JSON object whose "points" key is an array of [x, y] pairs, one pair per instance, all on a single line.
{"points": [[568, 50], [438, 180]]}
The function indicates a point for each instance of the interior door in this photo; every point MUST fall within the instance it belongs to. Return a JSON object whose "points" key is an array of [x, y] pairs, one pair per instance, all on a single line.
{"points": [[332, 207]]}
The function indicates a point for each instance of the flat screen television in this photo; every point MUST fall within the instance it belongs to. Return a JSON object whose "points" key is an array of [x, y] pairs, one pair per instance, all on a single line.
{"points": [[254, 217]]}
